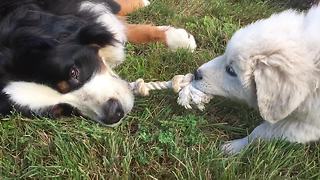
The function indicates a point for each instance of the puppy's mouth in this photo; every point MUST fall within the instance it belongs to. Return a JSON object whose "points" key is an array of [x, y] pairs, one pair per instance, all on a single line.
{"points": [[201, 86]]}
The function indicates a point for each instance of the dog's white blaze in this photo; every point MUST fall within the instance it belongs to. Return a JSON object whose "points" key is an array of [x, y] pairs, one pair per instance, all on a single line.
{"points": [[89, 99], [32, 95], [99, 90]]}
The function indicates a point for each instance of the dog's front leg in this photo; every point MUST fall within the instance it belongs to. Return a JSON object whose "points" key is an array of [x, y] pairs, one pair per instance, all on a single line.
{"points": [[291, 130], [172, 37], [264, 131]]}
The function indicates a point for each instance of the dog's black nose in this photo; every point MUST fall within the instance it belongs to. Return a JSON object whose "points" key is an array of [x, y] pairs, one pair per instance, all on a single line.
{"points": [[197, 75], [113, 112]]}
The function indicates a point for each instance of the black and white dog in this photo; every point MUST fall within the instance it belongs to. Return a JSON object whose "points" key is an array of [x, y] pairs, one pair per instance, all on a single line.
{"points": [[51, 62]]}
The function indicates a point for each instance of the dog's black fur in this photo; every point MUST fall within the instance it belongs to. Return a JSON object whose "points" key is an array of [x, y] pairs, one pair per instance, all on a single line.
{"points": [[49, 42]]}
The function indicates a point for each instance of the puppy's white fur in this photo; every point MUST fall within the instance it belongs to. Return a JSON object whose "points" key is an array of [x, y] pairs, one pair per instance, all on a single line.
{"points": [[277, 65]]}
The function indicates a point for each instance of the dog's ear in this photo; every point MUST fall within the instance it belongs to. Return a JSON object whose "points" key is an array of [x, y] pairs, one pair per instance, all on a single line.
{"points": [[281, 85], [95, 34], [27, 41]]}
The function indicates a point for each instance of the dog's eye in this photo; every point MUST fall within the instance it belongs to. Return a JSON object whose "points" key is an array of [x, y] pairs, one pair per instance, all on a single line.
{"points": [[74, 73], [230, 71]]}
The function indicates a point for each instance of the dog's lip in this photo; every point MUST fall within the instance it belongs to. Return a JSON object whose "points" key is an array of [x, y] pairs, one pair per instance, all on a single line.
{"points": [[199, 86], [196, 85], [99, 121]]}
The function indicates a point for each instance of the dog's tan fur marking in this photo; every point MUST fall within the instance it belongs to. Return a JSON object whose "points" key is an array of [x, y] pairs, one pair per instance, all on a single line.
{"points": [[143, 33], [63, 87]]}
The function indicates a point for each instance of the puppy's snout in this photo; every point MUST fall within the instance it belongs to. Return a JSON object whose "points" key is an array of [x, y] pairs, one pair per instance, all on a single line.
{"points": [[197, 75], [113, 112]]}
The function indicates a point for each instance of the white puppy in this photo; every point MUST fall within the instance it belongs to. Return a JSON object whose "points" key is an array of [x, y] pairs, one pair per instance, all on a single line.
{"points": [[273, 65]]}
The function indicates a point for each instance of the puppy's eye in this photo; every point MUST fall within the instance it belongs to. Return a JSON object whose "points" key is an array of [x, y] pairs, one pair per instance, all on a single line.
{"points": [[74, 73], [230, 71]]}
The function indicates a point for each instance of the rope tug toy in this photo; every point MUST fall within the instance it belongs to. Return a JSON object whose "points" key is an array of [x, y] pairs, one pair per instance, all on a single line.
{"points": [[188, 95]]}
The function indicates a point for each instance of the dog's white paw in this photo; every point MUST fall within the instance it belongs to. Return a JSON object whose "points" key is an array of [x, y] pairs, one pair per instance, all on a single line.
{"points": [[145, 3], [235, 146], [179, 38]]}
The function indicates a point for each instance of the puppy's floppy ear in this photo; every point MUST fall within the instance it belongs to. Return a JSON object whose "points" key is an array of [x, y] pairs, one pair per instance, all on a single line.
{"points": [[95, 34], [282, 84]]}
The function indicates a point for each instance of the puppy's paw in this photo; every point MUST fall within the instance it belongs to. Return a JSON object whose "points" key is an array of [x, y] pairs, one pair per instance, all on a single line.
{"points": [[235, 146], [178, 38], [145, 3]]}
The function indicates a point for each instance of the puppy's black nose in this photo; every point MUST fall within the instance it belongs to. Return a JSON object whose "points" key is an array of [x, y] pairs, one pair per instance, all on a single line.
{"points": [[197, 75], [113, 112]]}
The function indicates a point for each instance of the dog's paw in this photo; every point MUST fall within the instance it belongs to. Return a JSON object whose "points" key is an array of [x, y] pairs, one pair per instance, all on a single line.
{"points": [[145, 3], [178, 38], [235, 146]]}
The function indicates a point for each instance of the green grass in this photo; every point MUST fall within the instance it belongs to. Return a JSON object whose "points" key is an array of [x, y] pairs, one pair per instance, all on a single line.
{"points": [[159, 139]]}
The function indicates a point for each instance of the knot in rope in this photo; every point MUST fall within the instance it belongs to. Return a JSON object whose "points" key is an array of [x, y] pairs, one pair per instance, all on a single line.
{"points": [[141, 88], [181, 84]]}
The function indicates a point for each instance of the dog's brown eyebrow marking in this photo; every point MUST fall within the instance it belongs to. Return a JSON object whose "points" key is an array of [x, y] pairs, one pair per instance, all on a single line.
{"points": [[63, 87]]}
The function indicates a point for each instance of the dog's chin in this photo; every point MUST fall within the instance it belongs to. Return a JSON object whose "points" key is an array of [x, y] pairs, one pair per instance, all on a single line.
{"points": [[110, 125], [99, 120]]}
